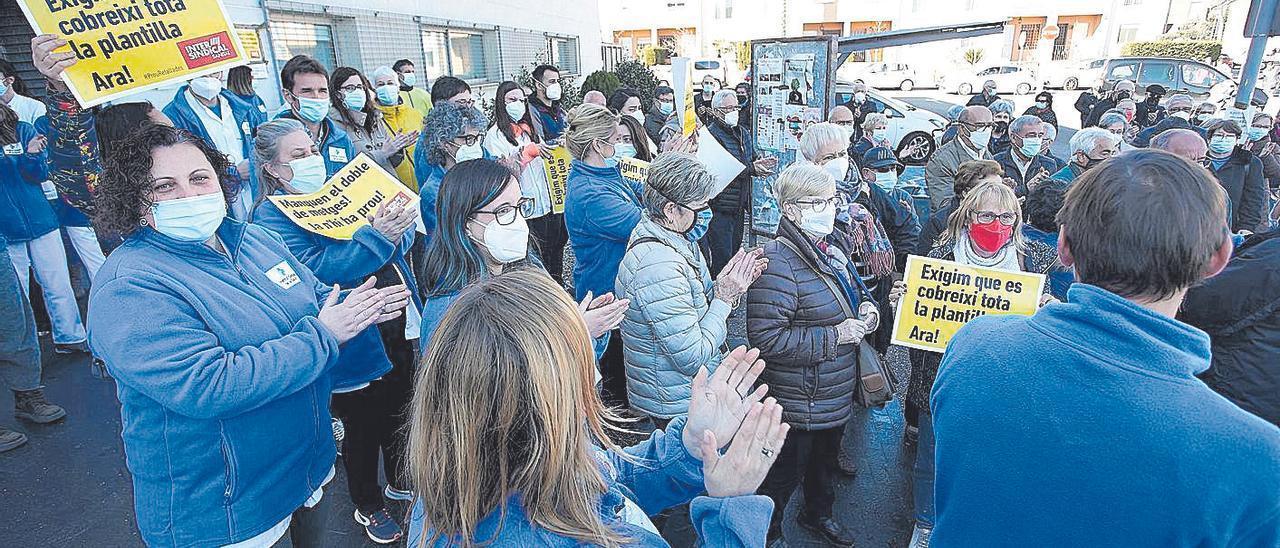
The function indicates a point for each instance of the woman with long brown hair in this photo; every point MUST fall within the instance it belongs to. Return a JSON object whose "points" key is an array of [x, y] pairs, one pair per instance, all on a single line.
{"points": [[507, 441]]}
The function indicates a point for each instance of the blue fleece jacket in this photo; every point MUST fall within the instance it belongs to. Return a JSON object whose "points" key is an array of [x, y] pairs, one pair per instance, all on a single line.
{"points": [[660, 474], [223, 375], [429, 176], [600, 212], [336, 147], [1084, 425], [347, 263], [27, 214], [247, 116]]}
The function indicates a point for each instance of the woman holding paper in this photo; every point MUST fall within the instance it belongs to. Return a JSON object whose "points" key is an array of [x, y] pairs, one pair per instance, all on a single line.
{"points": [[224, 348], [371, 404], [984, 230], [353, 109]]}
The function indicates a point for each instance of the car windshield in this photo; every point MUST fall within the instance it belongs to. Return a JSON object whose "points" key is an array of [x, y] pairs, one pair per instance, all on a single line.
{"points": [[1200, 76], [706, 65]]}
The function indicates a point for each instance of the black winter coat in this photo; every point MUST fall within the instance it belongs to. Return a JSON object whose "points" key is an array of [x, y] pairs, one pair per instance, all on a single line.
{"points": [[792, 316], [1240, 310], [1246, 190]]}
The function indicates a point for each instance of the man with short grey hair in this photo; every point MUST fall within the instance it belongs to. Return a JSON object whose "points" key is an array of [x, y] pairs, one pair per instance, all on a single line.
{"points": [[860, 106], [1089, 146], [1182, 142], [1179, 108], [973, 134], [986, 97], [1024, 167], [1046, 147]]}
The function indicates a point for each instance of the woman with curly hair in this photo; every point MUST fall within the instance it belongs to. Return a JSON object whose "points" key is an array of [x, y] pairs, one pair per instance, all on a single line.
{"points": [[223, 347], [451, 134]]}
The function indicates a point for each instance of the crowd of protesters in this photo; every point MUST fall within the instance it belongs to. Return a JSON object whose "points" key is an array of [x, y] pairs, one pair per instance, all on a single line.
{"points": [[458, 364]]}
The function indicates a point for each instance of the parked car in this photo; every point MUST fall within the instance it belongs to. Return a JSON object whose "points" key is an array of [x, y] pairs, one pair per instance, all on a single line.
{"points": [[889, 76], [1008, 79], [1194, 78], [910, 129], [1070, 76], [716, 68]]}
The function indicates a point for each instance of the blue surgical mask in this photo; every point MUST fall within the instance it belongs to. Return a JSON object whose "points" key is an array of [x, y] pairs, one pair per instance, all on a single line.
{"points": [[1031, 146], [468, 152], [1255, 133], [191, 219], [666, 107], [355, 100], [410, 78], [701, 222], [887, 180], [1222, 144], [312, 110], [624, 150], [1042, 105], [3, 88], [309, 174], [388, 94]]}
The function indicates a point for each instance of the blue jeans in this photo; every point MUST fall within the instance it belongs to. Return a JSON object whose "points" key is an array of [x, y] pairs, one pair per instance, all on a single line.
{"points": [[19, 348], [49, 259], [922, 474]]}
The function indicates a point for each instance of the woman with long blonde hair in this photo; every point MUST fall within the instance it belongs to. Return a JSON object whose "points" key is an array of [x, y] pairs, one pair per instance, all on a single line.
{"points": [[507, 441]]}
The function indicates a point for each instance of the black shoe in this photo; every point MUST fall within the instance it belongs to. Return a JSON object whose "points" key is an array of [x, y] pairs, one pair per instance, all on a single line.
{"points": [[31, 405], [828, 528], [845, 464], [10, 439]]}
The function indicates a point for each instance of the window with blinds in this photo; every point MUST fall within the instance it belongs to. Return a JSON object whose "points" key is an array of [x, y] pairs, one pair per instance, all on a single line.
{"points": [[469, 54], [292, 38]]}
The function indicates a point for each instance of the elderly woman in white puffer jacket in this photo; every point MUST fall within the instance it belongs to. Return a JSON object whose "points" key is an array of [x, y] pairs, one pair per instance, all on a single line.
{"points": [[677, 319]]}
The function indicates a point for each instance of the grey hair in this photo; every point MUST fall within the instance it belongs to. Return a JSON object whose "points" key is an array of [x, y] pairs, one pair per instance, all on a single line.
{"points": [[1111, 118], [986, 83], [266, 143], [446, 121], [721, 95], [676, 177], [1180, 98], [1022, 122], [874, 119], [1050, 132], [859, 86], [383, 72], [1126, 81], [1089, 138], [1002, 105], [820, 136], [800, 180]]}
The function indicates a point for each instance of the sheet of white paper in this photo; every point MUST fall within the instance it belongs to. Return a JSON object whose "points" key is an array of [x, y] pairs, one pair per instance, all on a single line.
{"points": [[719, 162]]}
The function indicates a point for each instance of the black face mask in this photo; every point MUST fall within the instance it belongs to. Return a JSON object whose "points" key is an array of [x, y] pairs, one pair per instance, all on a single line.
{"points": [[1001, 127], [1153, 99], [1089, 163], [1122, 95], [742, 97]]}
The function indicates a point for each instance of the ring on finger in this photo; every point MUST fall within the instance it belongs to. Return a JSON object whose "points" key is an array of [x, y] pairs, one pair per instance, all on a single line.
{"points": [[767, 452]]}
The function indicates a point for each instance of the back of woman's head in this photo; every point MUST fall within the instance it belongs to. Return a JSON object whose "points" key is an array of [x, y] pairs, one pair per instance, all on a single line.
{"points": [[452, 259], [587, 124], [240, 80], [504, 404], [969, 173], [115, 123]]}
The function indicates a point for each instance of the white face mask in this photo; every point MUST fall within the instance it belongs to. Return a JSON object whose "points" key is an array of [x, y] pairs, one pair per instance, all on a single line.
{"points": [[468, 152], [516, 110], [1184, 114], [309, 174], [637, 116], [859, 96], [191, 219], [887, 180], [838, 168], [731, 119], [409, 78], [980, 138], [507, 243], [553, 91], [818, 223], [206, 87]]}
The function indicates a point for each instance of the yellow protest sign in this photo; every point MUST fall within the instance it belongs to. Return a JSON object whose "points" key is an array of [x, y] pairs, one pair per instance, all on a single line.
{"points": [[634, 169], [347, 200], [944, 295], [127, 46], [557, 167]]}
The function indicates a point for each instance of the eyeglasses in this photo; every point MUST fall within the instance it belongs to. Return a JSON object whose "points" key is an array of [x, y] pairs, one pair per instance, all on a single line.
{"points": [[351, 88], [833, 156], [726, 110], [977, 127], [1179, 109], [844, 123], [467, 140], [1006, 219], [818, 205], [506, 214]]}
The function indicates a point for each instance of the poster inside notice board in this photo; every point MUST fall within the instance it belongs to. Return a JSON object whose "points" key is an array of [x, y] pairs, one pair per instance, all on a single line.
{"points": [[793, 87]]}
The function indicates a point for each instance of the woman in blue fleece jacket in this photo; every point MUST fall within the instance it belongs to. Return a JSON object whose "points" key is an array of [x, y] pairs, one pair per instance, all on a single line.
{"points": [[223, 347], [371, 405], [525, 466]]}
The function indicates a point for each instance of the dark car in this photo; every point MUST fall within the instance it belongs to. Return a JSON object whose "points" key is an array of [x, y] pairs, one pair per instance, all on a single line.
{"points": [[1176, 75]]}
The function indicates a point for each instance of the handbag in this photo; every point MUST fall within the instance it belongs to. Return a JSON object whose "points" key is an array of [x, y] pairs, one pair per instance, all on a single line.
{"points": [[873, 385]]}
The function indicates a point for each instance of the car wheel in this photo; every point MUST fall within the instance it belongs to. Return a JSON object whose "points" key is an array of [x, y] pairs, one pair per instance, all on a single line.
{"points": [[965, 89], [1023, 89], [907, 85], [924, 148], [1071, 83]]}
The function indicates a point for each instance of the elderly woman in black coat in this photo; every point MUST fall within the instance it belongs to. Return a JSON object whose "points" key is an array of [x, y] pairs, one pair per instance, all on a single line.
{"points": [[807, 315]]}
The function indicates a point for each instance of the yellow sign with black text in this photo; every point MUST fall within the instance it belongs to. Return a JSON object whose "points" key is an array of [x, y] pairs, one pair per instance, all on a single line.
{"points": [[943, 295], [347, 200], [634, 169], [127, 46], [557, 168]]}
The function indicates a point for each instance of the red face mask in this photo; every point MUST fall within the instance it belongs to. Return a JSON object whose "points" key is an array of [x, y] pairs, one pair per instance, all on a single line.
{"points": [[990, 237]]}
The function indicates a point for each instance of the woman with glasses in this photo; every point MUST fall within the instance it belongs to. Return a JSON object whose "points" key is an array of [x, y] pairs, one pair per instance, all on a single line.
{"points": [[370, 405], [807, 314], [984, 230], [450, 135], [677, 321], [483, 232], [355, 112]]}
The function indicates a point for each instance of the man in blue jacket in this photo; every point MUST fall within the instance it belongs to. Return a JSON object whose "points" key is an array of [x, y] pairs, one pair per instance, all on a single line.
{"points": [[1085, 424], [305, 84], [223, 120], [1022, 163]]}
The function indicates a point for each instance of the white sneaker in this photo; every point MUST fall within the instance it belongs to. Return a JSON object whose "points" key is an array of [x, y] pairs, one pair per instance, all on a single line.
{"points": [[920, 537], [339, 433]]}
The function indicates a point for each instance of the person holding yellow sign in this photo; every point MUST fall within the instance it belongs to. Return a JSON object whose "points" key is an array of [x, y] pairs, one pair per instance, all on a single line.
{"points": [[371, 403], [984, 230]]}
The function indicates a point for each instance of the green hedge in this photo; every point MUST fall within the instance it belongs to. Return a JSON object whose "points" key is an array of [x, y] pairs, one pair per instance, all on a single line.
{"points": [[1196, 50], [602, 81]]}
